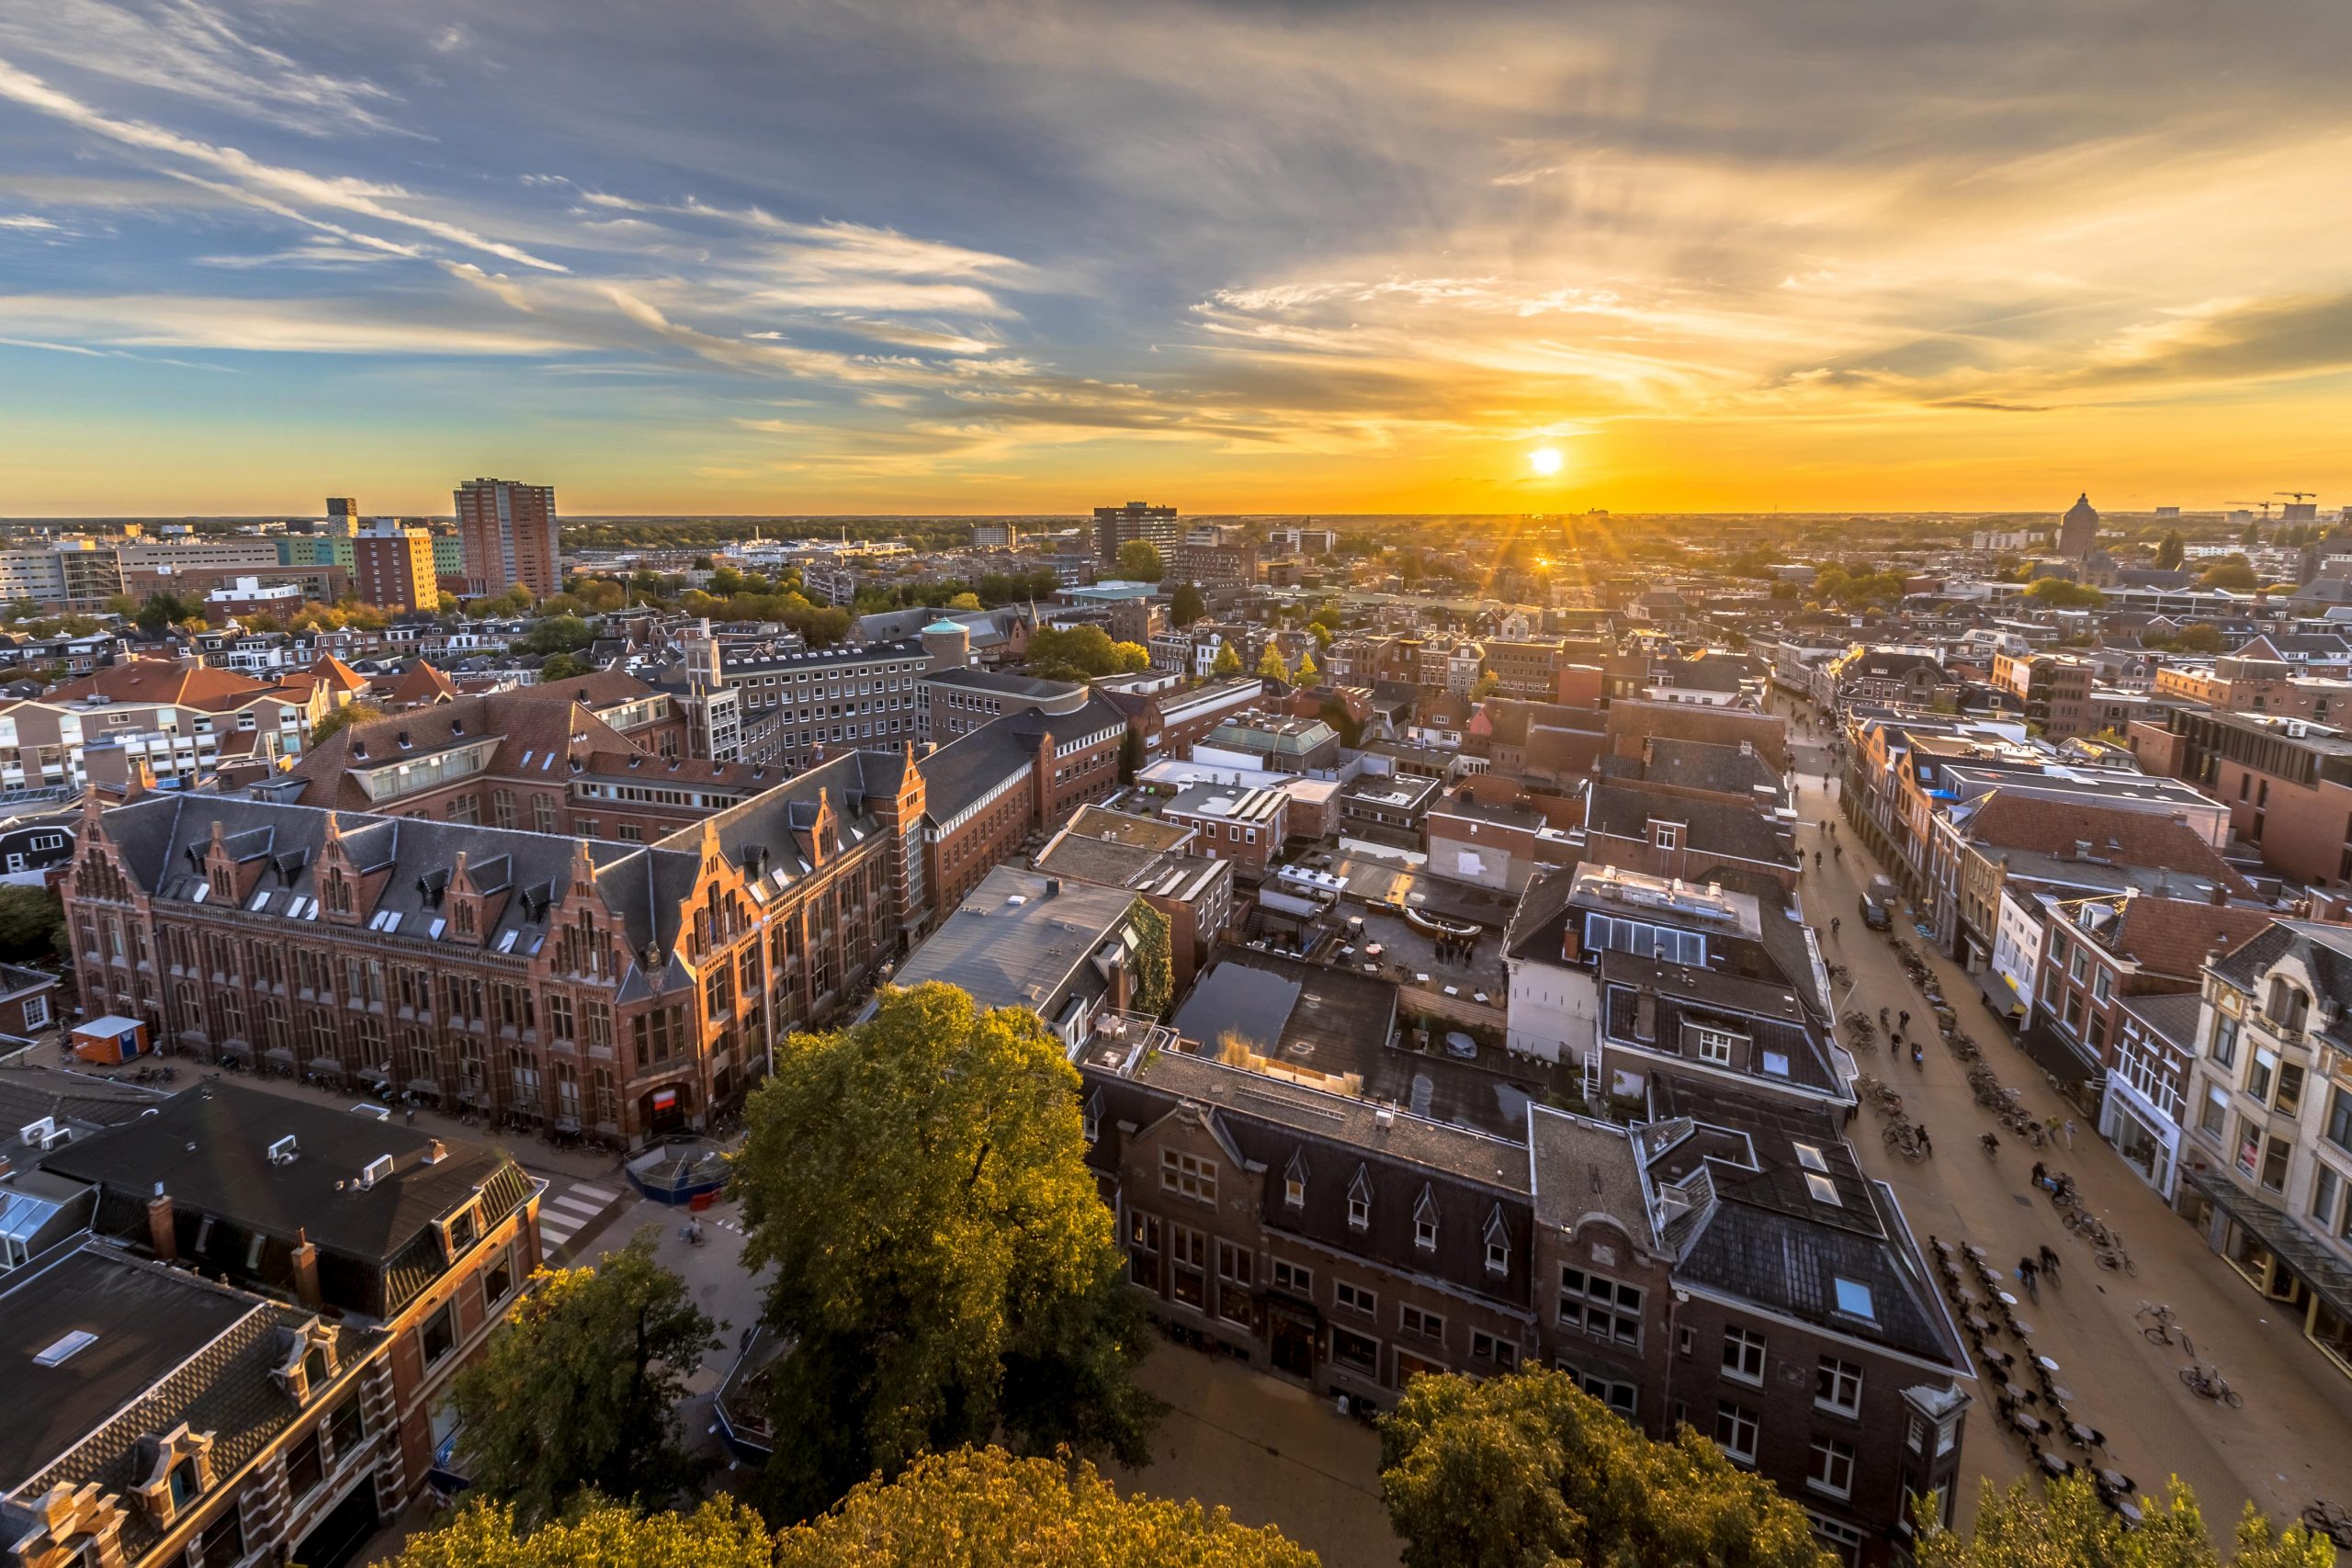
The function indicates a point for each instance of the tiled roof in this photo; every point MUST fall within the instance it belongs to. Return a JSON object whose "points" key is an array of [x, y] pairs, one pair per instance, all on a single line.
{"points": [[2173, 936], [184, 682], [2007, 820], [969, 766], [1711, 826]]}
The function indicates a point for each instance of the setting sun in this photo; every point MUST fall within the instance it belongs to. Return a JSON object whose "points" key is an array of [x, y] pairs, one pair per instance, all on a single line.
{"points": [[1544, 460]]}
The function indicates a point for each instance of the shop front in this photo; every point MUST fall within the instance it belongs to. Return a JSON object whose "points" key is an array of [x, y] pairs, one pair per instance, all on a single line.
{"points": [[2273, 1253], [2145, 1136]]}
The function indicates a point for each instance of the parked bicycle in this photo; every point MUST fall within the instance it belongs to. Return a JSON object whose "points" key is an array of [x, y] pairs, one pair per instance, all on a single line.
{"points": [[2207, 1382], [2330, 1520]]}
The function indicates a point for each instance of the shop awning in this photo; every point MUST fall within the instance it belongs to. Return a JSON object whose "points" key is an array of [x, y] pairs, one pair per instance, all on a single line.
{"points": [[2275, 1229]]}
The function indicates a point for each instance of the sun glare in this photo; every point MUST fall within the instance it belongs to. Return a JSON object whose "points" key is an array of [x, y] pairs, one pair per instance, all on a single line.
{"points": [[1544, 460]]}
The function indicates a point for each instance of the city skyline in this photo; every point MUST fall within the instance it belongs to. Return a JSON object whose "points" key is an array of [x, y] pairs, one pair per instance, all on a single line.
{"points": [[1032, 258]]}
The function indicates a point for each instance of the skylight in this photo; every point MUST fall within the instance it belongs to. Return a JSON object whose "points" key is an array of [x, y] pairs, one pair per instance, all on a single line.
{"points": [[1824, 1190], [1809, 1156], [65, 1349], [1854, 1299]]}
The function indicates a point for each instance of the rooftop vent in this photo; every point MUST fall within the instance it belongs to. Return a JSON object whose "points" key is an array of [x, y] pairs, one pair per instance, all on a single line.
{"points": [[375, 1170]]}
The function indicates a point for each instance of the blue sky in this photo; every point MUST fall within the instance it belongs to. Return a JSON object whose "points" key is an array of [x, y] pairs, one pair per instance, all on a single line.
{"points": [[783, 257]]}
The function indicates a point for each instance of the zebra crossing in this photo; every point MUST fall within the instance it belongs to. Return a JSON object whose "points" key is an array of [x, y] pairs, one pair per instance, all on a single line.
{"points": [[565, 1214]]}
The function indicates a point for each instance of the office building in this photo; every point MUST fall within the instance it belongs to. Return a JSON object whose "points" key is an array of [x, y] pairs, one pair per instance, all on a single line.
{"points": [[1115, 525]]}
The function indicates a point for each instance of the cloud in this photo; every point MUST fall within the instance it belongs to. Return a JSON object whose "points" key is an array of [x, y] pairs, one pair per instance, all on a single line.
{"points": [[260, 326], [192, 51], [272, 186]]}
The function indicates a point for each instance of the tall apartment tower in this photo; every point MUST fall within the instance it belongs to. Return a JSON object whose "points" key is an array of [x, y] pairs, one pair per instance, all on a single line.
{"points": [[509, 531], [391, 566], [1115, 525], [342, 509]]}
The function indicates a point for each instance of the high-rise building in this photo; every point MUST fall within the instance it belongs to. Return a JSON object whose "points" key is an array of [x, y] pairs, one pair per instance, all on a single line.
{"points": [[1115, 525], [342, 509], [392, 567], [509, 531]]}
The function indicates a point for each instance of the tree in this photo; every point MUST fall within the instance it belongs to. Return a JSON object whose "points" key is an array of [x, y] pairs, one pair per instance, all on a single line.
{"points": [[1133, 657], [2170, 551], [722, 1533], [1306, 674], [2057, 593], [972, 1508], [1140, 562], [1188, 606], [579, 1389], [2025, 1527], [983, 1509], [1081, 652], [32, 923], [967, 1282], [2234, 573], [556, 634], [1487, 684], [167, 609], [1228, 659], [965, 601], [1529, 1470], [1271, 666], [349, 714], [2252, 538], [2201, 637], [561, 667]]}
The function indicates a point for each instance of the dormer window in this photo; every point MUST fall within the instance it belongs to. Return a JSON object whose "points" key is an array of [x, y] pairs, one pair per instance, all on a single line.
{"points": [[187, 1487], [1295, 1182], [1497, 1240], [1360, 1200], [1425, 1222], [463, 914], [1666, 835], [1090, 1118]]}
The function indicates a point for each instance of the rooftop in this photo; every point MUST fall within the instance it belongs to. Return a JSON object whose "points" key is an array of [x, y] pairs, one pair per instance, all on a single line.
{"points": [[1017, 938]]}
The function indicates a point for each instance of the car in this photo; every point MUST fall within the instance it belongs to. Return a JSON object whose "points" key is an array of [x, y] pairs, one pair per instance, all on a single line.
{"points": [[1878, 904], [1461, 1046]]}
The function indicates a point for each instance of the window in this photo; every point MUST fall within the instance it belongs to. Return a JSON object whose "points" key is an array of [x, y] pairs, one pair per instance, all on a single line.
{"points": [[223, 1541], [346, 1427], [1427, 1325], [2215, 1113], [1837, 1385], [36, 1012], [2259, 1074], [1355, 1298], [305, 1465], [498, 1280], [1143, 1248], [2273, 1166], [185, 1485], [1735, 1432], [2339, 1120], [2290, 1089], [1854, 1299], [1425, 1222], [2225, 1041], [1600, 1307], [440, 1336], [1715, 1045], [1295, 1192], [1666, 835], [1355, 1352], [1360, 1202], [1293, 1277], [1502, 1353], [1188, 1266], [1743, 1356], [2327, 1193], [1832, 1467], [1189, 1174], [1839, 1539]]}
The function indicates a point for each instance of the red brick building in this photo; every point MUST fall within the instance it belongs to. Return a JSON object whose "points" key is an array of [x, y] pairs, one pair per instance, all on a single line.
{"points": [[1010, 779], [508, 530]]}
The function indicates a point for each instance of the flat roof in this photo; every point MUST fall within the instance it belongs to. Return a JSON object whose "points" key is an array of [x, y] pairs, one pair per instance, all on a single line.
{"points": [[1014, 939], [145, 1321]]}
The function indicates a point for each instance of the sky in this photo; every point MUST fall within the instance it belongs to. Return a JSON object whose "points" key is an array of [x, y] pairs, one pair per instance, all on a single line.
{"points": [[770, 256]]}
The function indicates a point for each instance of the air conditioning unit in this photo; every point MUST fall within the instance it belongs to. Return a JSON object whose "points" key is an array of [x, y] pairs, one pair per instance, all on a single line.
{"points": [[375, 1170], [35, 1135], [283, 1151]]}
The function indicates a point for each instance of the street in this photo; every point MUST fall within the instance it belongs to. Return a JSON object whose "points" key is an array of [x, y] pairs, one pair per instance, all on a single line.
{"points": [[2293, 1440]]}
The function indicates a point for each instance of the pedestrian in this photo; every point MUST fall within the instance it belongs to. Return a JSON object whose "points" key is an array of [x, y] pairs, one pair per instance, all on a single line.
{"points": [[1904, 1019], [1833, 928], [2070, 1135], [2026, 1278], [1924, 1147], [1836, 851], [2040, 1171], [1918, 1056]]}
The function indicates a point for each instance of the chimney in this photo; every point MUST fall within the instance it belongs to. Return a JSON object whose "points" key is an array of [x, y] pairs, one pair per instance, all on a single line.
{"points": [[2221, 894], [306, 1270], [1053, 885], [163, 1233]]}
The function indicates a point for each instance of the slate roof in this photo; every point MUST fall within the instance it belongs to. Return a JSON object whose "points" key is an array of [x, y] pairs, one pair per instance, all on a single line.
{"points": [[155, 836], [2007, 820], [170, 1349], [1774, 1017], [2172, 1017], [2325, 951], [969, 766], [28, 1093], [775, 833], [1697, 764], [1770, 1240], [209, 1148], [596, 689], [1710, 827], [537, 739]]}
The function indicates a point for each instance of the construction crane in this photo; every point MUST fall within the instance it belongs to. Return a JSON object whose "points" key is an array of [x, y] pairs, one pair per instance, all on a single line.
{"points": [[2266, 506], [2298, 494]]}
